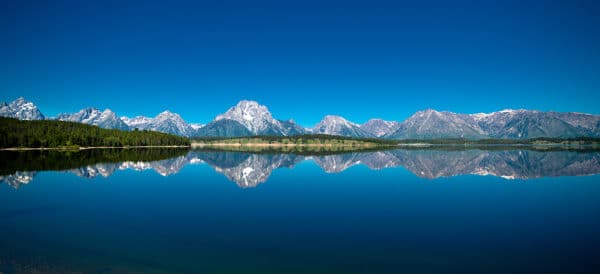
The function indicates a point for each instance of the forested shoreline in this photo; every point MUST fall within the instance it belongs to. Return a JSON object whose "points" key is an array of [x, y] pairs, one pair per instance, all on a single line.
{"points": [[53, 134]]}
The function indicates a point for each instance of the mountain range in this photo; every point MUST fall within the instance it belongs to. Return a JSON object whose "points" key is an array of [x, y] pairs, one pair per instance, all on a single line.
{"points": [[248, 118], [165, 121], [93, 116]]}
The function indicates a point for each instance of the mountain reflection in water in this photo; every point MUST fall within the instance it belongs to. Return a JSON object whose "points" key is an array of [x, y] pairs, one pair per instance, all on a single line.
{"points": [[250, 169]]}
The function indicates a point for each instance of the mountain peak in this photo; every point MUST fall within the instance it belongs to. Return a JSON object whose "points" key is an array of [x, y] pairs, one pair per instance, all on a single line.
{"points": [[515, 111], [248, 103], [254, 116], [167, 113], [21, 109], [170, 122], [427, 111], [90, 110], [430, 123], [335, 119], [93, 116], [338, 125], [21, 99], [166, 121], [109, 113], [247, 109], [380, 127]]}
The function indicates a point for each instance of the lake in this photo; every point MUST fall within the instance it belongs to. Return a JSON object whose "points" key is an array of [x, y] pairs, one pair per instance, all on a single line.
{"points": [[394, 211]]}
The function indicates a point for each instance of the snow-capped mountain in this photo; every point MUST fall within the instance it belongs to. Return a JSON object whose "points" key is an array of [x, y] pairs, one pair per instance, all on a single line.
{"points": [[93, 116], [223, 128], [255, 118], [508, 123], [380, 127], [291, 128], [138, 122], [21, 109], [428, 124], [337, 125], [580, 120], [523, 124], [166, 121], [170, 122]]}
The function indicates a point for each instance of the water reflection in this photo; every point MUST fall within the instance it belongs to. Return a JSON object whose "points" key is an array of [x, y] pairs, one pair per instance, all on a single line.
{"points": [[249, 169]]}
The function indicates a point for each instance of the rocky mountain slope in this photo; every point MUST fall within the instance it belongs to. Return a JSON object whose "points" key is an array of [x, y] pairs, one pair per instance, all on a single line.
{"points": [[337, 125], [21, 109], [93, 116]]}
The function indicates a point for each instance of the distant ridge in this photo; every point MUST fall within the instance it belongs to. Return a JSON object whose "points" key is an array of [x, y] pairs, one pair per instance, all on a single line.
{"points": [[248, 118]]}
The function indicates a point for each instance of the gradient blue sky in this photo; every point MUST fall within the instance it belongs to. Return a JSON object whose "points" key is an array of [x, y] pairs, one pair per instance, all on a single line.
{"points": [[302, 59]]}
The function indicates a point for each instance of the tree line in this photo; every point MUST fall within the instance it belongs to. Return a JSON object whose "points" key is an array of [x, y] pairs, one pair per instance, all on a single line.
{"points": [[51, 133]]}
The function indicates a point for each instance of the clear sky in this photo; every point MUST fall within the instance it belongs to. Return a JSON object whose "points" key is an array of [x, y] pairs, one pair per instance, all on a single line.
{"points": [[302, 59]]}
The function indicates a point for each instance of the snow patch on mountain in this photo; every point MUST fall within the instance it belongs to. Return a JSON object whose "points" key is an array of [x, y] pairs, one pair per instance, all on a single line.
{"points": [[136, 122], [196, 126]]}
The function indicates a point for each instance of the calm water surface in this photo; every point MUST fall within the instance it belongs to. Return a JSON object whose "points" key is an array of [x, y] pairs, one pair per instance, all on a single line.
{"points": [[400, 211]]}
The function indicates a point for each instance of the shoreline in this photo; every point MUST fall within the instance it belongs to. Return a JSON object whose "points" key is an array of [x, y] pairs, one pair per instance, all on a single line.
{"points": [[498, 145], [279, 145], [82, 148], [409, 146], [375, 145], [292, 145]]}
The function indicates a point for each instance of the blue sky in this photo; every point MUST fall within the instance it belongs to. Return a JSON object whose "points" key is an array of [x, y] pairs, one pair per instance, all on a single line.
{"points": [[302, 59]]}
